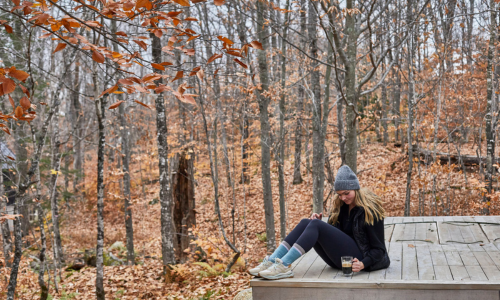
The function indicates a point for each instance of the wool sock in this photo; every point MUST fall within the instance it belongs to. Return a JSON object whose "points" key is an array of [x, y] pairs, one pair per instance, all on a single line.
{"points": [[292, 255], [280, 252]]}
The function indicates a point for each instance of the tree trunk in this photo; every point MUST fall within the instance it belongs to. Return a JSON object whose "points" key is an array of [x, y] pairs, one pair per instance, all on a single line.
{"points": [[411, 47], [6, 234], [281, 142], [184, 207], [318, 165], [297, 175], [100, 112], [129, 228], [56, 163], [167, 229], [351, 146], [78, 119], [490, 109], [265, 141]]}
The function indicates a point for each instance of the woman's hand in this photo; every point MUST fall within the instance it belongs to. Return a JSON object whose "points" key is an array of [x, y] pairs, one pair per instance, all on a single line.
{"points": [[357, 265], [316, 216]]}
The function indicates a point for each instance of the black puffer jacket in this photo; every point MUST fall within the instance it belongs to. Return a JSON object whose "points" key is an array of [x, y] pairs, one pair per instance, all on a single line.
{"points": [[369, 238]]}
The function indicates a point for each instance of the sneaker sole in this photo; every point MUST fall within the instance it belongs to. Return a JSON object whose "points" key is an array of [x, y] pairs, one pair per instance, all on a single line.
{"points": [[253, 274], [278, 276]]}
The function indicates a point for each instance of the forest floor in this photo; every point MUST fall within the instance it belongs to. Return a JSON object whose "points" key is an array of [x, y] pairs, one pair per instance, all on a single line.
{"points": [[382, 168]]}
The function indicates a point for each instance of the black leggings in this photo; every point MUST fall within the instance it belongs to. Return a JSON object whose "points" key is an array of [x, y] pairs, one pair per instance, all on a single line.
{"points": [[329, 242]]}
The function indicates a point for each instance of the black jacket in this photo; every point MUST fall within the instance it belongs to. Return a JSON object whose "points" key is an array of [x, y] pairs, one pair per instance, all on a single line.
{"points": [[369, 238]]}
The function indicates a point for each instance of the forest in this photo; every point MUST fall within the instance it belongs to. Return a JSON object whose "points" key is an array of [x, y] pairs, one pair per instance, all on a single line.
{"points": [[155, 149]]}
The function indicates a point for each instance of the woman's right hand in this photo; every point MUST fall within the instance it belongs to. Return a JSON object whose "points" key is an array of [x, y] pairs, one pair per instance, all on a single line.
{"points": [[316, 216]]}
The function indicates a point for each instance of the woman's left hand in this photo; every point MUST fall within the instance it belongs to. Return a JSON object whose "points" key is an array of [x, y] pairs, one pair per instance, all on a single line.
{"points": [[357, 265]]}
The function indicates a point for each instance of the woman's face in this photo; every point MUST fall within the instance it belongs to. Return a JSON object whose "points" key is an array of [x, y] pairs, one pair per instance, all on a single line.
{"points": [[347, 196]]}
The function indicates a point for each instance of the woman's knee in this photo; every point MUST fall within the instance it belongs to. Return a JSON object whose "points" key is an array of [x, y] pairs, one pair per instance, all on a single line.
{"points": [[305, 221]]}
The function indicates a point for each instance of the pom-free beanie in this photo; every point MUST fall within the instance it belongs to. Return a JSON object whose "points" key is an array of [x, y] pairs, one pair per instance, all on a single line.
{"points": [[346, 180]]}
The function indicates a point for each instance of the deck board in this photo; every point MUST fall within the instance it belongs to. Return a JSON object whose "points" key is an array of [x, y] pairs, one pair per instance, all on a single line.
{"points": [[445, 255]]}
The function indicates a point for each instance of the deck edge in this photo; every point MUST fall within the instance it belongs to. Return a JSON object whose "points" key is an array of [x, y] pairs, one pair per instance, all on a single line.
{"points": [[377, 284]]}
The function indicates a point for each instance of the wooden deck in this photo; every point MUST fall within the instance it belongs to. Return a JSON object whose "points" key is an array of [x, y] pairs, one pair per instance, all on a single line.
{"points": [[431, 258]]}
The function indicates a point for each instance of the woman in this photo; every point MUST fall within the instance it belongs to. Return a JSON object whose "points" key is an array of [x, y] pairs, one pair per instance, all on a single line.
{"points": [[355, 228]]}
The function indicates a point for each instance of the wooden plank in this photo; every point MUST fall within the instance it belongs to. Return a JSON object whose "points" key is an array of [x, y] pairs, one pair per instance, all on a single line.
{"points": [[455, 236], [362, 275], [443, 273], [409, 231], [438, 256], [483, 258], [396, 255], [477, 231], [459, 273], [443, 232], [452, 255], [471, 231], [476, 273], [468, 258], [316, 269], [420, 230], [329, 273], [303, 266], [398, 233], [492, 272], [424, 260], [388, 229], [493, 253]]}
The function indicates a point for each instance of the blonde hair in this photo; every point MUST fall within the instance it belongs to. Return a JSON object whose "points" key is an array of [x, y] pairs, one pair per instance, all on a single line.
{"points": [[364, 198]]}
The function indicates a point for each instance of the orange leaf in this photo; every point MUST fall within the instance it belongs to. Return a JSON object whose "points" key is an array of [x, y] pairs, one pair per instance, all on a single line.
{"points": [[19, 75], [7, 87], [182, 2], [115, 105], [158, 66], [191, 19], [214, 57], [141, 44], [188, 99], [10, 157], [241, 63], [25, 103], [192, 38], [8, 28], [200, 74], [12, 102], [144, 3], [225, 40], [18, 112], [257, 45], [59, 47], [125, 81], [98, 57], [219, 2], [145, 105], [110, 90], [179, 75]]}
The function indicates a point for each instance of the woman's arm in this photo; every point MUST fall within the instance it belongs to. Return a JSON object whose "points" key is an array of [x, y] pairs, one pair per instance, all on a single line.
{"points": [[375, 235]]}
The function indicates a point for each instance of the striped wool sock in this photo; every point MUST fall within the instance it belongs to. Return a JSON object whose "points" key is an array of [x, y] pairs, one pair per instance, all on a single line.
{"points": [[280, 252], [295, 252]]}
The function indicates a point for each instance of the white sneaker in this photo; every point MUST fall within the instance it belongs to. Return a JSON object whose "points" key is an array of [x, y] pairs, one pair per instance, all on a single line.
{"points": [[277, 271], [264, 265]]}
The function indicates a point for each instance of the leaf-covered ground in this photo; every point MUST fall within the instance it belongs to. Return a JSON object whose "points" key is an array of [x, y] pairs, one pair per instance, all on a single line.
{"points": [[382, 168]]}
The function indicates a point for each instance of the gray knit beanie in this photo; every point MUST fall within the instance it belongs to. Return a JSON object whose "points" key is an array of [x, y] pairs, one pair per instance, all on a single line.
{"points": [[346, 180]]}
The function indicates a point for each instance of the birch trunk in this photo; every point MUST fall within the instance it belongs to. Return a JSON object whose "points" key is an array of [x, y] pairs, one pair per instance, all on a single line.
{"points": [[265, 140]]}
